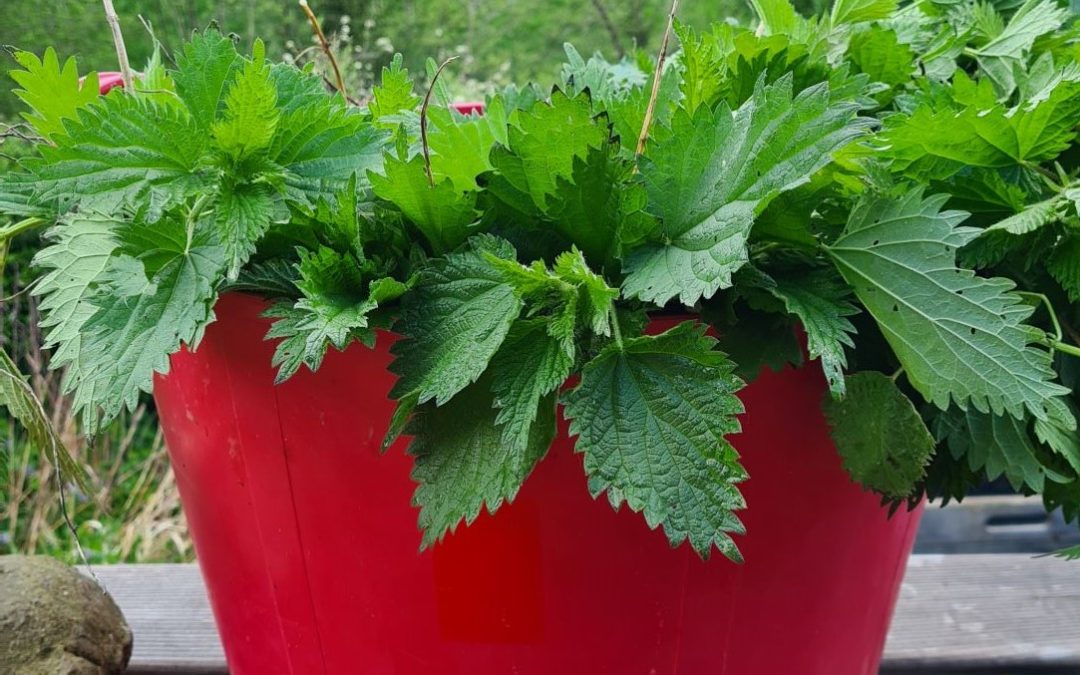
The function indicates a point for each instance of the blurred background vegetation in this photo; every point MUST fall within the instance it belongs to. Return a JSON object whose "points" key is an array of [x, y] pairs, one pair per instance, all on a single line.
{"points": [[133, 512]]}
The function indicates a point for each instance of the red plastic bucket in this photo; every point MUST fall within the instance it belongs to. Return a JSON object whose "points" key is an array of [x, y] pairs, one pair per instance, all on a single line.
{"points": [[307, 539]]}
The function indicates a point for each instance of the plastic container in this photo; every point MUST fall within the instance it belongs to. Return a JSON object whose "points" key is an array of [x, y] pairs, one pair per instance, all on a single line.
{"points": [[307, 539]]}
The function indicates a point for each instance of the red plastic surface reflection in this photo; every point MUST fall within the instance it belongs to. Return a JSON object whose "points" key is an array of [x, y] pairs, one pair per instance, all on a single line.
{"points": [[308, 542]]}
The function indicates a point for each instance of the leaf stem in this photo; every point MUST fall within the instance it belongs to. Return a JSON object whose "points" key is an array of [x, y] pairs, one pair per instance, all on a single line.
{"points": [[423, 121], [895, 376], [118, 40], [193, 217], [9, 231], [643, 137], [1041, 297], [1065, 348], [616, 331], [325, 47]]}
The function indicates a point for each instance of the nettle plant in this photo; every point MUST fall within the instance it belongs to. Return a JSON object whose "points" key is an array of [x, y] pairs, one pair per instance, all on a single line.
{"points": [[886, 178]]}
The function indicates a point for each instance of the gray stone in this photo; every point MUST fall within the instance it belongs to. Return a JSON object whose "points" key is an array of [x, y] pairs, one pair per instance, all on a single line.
{"points": [[55, 621]]}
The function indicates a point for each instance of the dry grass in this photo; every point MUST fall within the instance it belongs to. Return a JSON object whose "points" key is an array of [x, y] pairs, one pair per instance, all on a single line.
{"points": [[132, 513]]}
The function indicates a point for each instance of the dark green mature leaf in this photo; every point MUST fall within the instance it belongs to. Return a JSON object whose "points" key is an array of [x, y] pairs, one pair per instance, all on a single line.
{"points": [[140, 319], [651, 416], [454, 321], [712, 173], [960, 337], [531, 364], [463, 462], [52, 93], [445, 216], [1064, 265], [124, 151], [822, 303], [882, 439], [996, 444], [23, 405]]}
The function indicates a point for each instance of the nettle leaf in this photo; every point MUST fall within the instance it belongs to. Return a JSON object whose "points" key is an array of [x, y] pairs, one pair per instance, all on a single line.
{"points": [[52, 93], [461, 146], [204, 69], [244, 213], [996, 444], [454, 321], [1034, 18], [651, 416], [251, 114], [884, 444], [856, 11], [822, 303], [879, 54], [462, 461], [17, 396], [530, 364], [531, 165], [333, 311], [1064, 265], [960, 337], [710, 174], [394, 93], [123, 151], [144, 311], [444, 215]]}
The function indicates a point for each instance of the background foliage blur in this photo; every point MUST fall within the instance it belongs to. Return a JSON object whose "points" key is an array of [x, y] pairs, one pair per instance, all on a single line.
{"points": [[133, 513]]}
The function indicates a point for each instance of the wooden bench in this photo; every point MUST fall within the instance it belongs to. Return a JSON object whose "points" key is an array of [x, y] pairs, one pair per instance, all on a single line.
{"points": [[998, 614]]}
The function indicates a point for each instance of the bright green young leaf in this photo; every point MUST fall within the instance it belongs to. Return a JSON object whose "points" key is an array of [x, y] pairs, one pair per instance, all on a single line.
{"points": [[454, 321], [822, 303], [857, 11], [960, 337], [882, 439], [711, 174], [52, 93], [445, 216], [530, 364], [394, 93], [651, 416], [1034, 18], [777, 17], [532, 165], [462, 462], [204, 68], [880, 55], [251, 114], [460, 147]]}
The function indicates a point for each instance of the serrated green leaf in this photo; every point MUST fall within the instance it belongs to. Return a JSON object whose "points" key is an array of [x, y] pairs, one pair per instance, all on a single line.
{"points": [[880, 436], [125, 151], [530, 364], [445, 216], [462, 463], [961, 338], [879, 54], [394, 93], [454, 321], [23, 405], [1064, 265], [138, 320], [712, 173], [777, 17], [244, 214], [204, 68], [251, 115], [996, 444], [1034, 18], [856, 11], [822, 303], [53, 93], [461, 146], [651, 416], [1070, 553]]}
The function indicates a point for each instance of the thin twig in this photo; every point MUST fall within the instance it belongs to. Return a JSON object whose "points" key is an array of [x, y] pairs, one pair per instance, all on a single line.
{"points": [[611, 29], [657, 74], [118, 40], [423, 121], [325, 46]]}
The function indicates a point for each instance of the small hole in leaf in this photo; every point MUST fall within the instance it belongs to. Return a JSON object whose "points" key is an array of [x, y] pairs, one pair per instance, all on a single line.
{"points": [[896, 308], [876, 242], [972, 330], [960, 292]]}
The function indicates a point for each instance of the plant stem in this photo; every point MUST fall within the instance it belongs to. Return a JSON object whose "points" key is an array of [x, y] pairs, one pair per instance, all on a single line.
{"points": [[118, 41], [895, 376], [1065, 348], [643, 137], [325, 47], [423, 121], [193, 217], [616, 331], [1041, 297]]}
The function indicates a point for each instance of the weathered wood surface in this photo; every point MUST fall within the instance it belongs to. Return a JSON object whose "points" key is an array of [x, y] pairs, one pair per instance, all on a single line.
{"points": [[956, 613]]}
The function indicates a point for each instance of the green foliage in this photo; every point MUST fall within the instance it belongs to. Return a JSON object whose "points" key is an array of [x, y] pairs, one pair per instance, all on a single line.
{"points": [[781, 186], [882, 439], [52, 93]]}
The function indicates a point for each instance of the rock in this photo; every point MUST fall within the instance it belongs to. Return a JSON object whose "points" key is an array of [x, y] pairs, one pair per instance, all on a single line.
{"points": [[55, 621]]}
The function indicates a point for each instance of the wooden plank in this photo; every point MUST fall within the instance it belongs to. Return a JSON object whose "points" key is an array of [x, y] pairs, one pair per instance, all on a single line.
{"points": [[956, 613]]}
